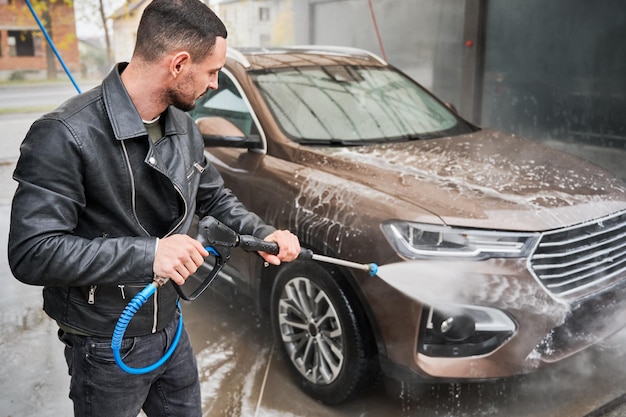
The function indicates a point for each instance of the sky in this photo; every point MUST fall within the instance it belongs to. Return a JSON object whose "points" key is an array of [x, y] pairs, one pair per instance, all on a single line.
{"points": [[87, 17]]}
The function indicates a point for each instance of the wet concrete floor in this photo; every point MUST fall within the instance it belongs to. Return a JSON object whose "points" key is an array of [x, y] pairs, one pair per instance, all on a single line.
{"points": [[243, 375]]}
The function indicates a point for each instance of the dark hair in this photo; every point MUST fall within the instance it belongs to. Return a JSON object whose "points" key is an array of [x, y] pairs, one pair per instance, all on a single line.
{"points": [[168, 25]]}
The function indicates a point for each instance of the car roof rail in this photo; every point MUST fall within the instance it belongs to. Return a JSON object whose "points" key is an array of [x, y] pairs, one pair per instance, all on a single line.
{"points": [[343, 50], [347, 50], [238, 56]]}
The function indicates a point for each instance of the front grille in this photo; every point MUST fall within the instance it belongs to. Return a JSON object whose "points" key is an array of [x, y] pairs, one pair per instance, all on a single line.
{"points": [[589, 321], [574, 261]]}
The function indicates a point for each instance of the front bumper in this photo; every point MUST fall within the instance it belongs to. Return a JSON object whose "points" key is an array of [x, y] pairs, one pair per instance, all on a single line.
{"points": [[546, 329]]}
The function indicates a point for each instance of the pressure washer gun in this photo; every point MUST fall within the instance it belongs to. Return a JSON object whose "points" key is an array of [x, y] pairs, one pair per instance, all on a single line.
{"points": [[218, 240]]}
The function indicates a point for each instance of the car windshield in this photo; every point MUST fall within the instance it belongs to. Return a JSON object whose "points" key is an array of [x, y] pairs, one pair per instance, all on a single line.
{"points": [[354, 105]]}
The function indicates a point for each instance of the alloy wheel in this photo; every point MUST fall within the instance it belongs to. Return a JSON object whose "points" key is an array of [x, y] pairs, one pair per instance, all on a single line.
{"points": [[311, 331]]}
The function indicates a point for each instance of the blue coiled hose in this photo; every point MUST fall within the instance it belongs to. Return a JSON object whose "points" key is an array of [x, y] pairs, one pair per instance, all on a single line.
{"points": [[128, 313], [139, 300]]}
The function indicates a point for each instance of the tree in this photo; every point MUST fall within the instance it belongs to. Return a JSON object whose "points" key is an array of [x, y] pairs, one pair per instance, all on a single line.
{"points": [[95, 17]]}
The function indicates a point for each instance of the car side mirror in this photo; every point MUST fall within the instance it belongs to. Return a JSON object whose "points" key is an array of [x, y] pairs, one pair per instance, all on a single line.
{"points": [[452, 107], [221, 132]]}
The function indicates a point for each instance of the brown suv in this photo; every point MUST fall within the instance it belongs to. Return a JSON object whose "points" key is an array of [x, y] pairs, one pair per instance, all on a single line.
{"points": [[497, 254]]}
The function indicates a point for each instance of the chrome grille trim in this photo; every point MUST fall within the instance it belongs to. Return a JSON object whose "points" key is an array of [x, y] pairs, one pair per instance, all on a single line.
{"points": [[571, 261]]}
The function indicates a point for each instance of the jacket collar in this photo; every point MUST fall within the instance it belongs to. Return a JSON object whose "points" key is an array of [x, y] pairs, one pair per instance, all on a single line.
{"points": [[123, 115]]}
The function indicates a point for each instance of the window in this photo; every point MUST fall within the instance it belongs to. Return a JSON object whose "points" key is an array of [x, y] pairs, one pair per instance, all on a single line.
{"points": [[23, 43], [264, 14], [225, 103]]}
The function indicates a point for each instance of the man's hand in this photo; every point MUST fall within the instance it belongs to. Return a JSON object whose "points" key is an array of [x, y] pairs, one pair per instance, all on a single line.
{"points": [[289, 247], [177, 257]]}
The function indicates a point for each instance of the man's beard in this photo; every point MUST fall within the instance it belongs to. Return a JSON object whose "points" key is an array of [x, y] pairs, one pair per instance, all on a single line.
{"points": [[176, 99], [176, 96]]}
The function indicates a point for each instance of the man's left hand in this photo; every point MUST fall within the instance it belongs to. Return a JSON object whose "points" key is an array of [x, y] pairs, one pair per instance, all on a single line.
{"points": [[289, 247]]}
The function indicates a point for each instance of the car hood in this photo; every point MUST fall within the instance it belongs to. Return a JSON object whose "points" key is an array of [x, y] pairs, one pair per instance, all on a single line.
{"points": [[486, 179]]}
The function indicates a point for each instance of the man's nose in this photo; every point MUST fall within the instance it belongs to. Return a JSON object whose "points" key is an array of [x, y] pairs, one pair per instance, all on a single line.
{"points": [[213, 83]]}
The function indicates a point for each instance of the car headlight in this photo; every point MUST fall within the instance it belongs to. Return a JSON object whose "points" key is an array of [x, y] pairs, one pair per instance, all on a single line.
{"points": [[419, 241]]}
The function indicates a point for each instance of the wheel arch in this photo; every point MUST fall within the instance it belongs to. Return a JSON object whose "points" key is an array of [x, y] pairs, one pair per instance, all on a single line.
{"points": [[347, 281]]}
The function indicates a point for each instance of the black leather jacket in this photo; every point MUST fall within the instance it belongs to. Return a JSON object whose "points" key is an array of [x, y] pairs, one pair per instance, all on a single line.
{"points": [[94, 193]]}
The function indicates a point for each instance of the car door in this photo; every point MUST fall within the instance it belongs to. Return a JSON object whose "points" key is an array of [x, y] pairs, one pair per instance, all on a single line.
{"points": [[265, 184]]}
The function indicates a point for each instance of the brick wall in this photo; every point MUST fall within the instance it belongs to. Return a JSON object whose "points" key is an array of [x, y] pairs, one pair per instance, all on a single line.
{"points": [[17, 16]]}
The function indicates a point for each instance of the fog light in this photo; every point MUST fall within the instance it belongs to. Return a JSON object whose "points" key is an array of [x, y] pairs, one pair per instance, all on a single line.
{"points": [[447, 324], [461, 330], [457, 327]]}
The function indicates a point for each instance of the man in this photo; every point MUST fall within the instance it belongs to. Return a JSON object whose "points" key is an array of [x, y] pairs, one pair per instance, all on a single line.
{"points": [[108, 184]]}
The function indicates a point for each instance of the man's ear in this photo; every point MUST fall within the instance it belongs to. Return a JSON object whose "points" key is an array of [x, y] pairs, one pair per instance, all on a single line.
{"points": [[178, 62]]}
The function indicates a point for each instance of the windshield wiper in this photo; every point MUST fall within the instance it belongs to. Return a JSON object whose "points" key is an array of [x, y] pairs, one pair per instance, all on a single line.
{"points": [[334, 142], [408, 138]]}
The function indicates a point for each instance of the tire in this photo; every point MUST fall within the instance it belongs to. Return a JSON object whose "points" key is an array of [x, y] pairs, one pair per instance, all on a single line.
{"points": [[329, 351]]}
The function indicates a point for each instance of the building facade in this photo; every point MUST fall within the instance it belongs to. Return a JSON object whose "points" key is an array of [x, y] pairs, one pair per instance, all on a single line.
{"points": [[125, 23], [256, 22], [249, 23], [24, 51]]}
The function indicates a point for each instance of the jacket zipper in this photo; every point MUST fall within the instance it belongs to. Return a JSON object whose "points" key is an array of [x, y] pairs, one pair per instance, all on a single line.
{"points": [[156, 292], [156, 312], [92, 294], [133, 200], [198, 168], [121, 287]]}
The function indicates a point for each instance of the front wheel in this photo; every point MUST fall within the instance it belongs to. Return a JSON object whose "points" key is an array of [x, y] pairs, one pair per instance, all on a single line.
{"points": [[329, 350]]}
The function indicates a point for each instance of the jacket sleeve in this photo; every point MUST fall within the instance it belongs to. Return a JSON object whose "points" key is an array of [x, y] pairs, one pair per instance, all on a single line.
{"points": [[43, 248]]}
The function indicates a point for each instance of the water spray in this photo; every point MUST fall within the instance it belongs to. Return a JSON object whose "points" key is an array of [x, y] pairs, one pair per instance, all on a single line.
{"points": [[219, 240]]}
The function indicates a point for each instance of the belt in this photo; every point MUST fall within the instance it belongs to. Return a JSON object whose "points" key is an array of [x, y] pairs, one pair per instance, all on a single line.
{"points": [[72, 330]]}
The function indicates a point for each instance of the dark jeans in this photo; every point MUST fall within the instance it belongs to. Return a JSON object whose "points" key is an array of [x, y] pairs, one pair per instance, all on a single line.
{"points": [[100, 388]]}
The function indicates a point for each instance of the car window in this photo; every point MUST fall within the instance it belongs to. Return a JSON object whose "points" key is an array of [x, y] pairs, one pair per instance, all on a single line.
{"points": [[359, 104], [225, 103]]}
